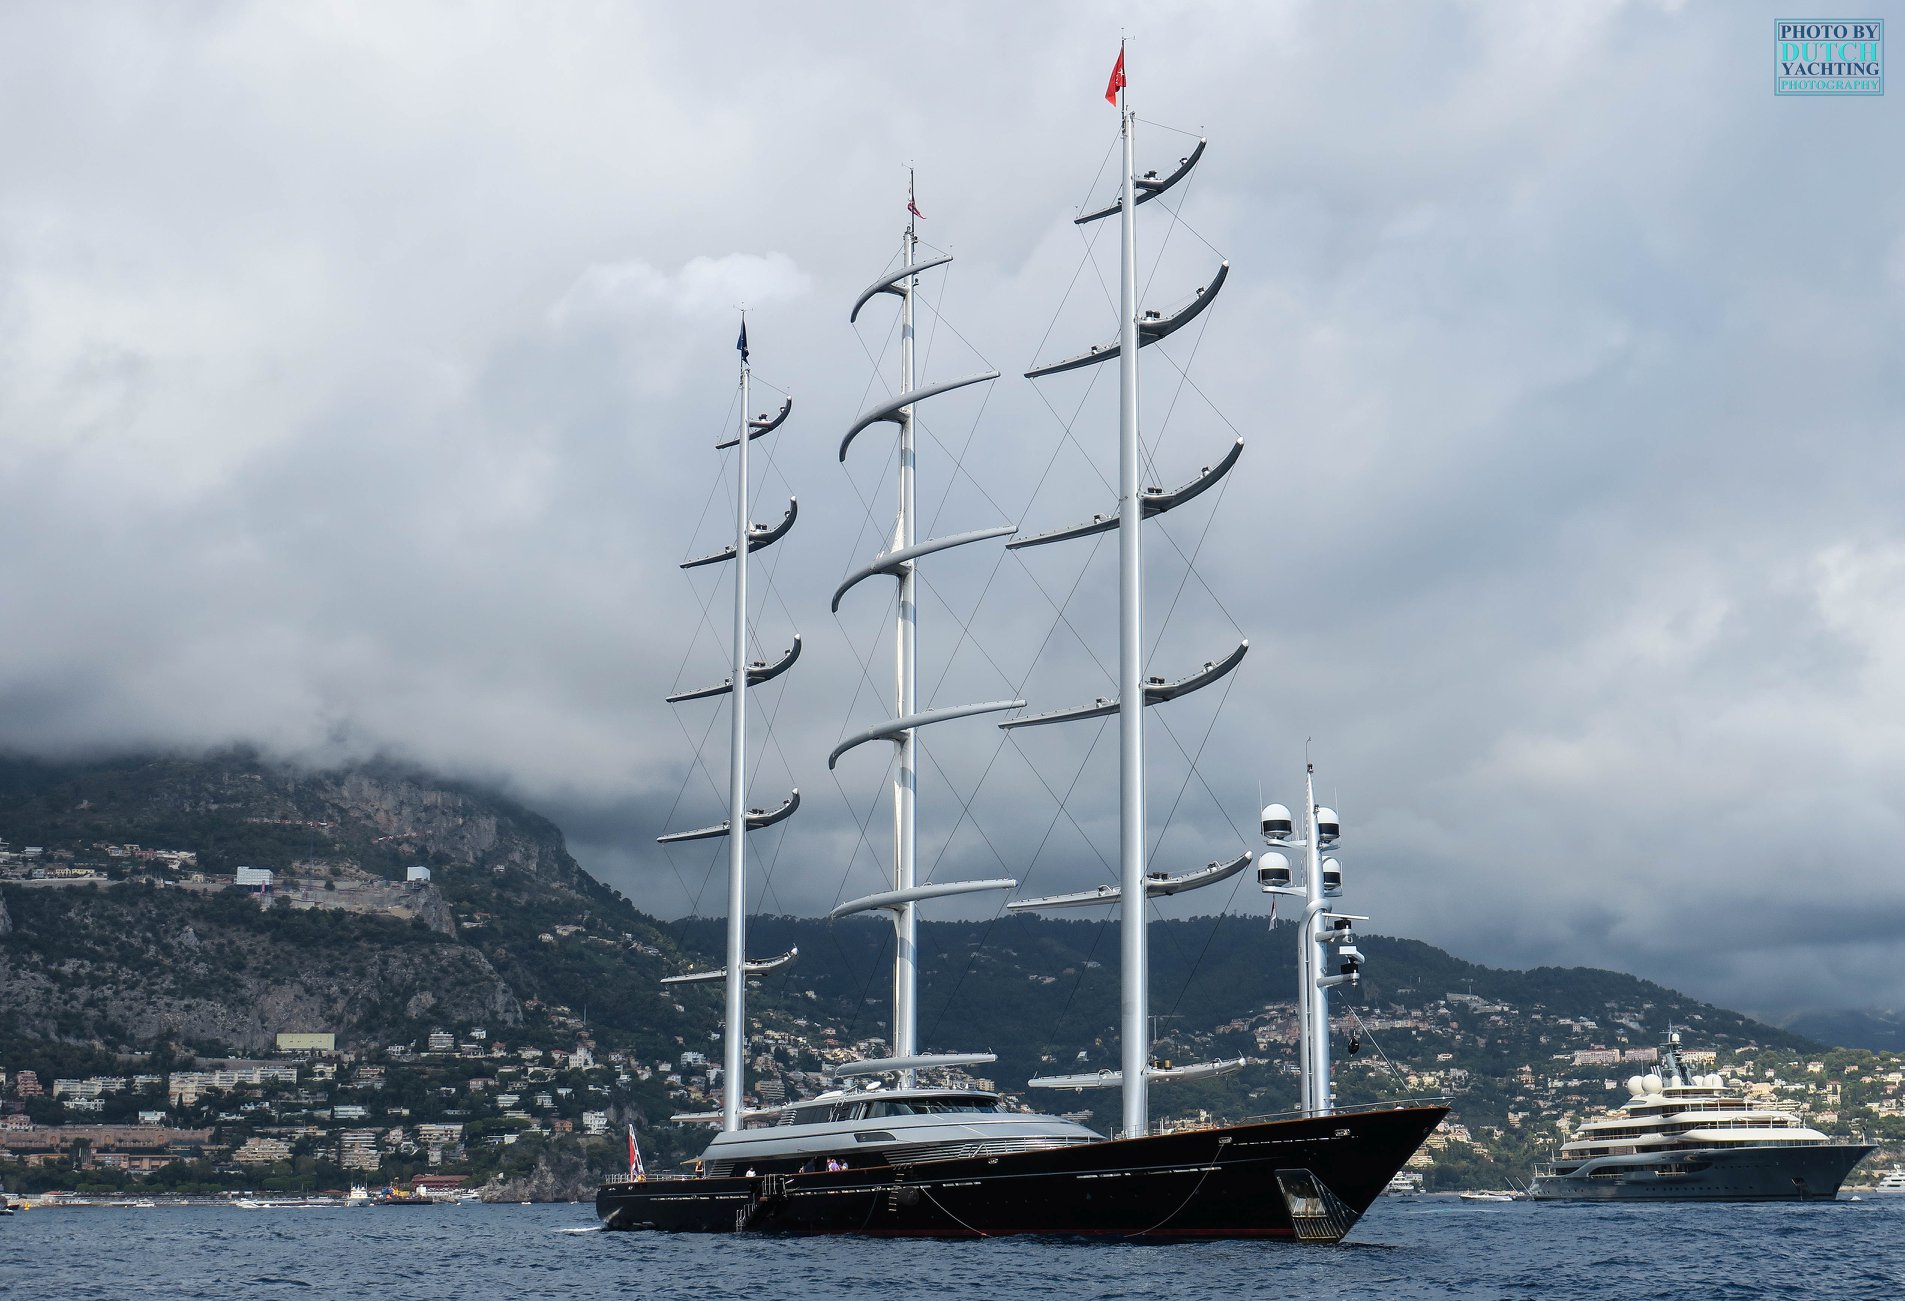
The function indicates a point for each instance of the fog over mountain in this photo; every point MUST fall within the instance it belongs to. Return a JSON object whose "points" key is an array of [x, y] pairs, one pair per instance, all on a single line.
{"points": [[360, 369]]}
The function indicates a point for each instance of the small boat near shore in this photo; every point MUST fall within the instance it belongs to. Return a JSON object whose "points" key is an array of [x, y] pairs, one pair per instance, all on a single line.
{"points": [[405, 1197]]}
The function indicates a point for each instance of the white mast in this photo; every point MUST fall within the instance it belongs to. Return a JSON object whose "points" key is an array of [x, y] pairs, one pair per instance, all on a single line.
{"points": [[742, 674], [900, 560], [906, 673], [1134, 959], [734, 1040], [1136, 692]]}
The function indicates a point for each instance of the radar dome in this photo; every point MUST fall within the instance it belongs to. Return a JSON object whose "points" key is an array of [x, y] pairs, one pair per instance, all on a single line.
{"points": [[1275, 822], [1273, 871], [1636, 1086], [1652, 1084], [1328, 826]]}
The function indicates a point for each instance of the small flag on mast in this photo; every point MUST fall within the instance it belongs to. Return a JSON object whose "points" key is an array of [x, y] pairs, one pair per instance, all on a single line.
{"points": [[914, 208], [741, 342], [636, 1172], [1117, 78]]}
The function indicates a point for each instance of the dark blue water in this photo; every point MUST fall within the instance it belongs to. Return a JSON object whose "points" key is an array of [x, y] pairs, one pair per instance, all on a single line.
{"points": [[1407, 1247]]}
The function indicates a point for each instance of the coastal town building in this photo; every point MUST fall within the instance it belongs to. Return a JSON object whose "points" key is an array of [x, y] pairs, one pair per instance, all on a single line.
{"points": [[357, 1149], [307, 1042]]}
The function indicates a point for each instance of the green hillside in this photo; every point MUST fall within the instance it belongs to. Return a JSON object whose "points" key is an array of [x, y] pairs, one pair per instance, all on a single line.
{"points": [[125, 946]]}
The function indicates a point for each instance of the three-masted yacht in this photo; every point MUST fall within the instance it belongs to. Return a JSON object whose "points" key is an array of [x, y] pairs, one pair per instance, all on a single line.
{"points": [[898, 1159]]}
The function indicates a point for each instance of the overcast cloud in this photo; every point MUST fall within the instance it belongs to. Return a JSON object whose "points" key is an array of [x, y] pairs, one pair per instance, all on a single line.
{"points": [[360, 368]]}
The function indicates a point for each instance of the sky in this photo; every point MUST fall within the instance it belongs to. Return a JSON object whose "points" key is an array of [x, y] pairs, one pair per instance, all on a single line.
{"points": [[361, 367]]}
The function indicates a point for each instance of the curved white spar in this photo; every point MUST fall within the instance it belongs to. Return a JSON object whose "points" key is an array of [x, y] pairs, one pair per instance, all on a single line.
{"points": [[889, 411], [890, 283], [763, 424], [758, 672], [1152, 326], [1156, 690], [892, 728], [1110, 1079], [757, 967], [1148, 186], [917, 1062], [893, 563], [1152, 501], [716, 1117], [1156, 884], [912, 894], [758, 536], [755, 818]]}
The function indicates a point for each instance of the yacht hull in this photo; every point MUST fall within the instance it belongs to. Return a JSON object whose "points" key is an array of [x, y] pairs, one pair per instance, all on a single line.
{"points": [[1769, 1173], [1309, 1178]]}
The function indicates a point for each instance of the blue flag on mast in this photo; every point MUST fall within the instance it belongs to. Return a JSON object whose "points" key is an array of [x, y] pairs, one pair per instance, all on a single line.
{"points": [[741, 342]]}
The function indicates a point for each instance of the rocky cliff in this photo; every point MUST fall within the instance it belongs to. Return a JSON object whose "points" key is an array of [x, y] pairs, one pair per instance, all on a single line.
{"points": [[121, 945], [130, 965]]}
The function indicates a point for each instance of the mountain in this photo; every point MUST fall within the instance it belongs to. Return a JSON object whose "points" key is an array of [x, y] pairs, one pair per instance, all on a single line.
{"points": [[126, 946], [125, 938], [1043, 995], [238, 808], [1878, 1029]]}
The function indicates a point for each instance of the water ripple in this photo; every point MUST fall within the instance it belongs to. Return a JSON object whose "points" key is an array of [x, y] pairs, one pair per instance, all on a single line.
{"points": [[1406, 1249]]}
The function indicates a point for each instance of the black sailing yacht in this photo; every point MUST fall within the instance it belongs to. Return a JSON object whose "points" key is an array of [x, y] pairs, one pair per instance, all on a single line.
{"points": [[886, 1155]]}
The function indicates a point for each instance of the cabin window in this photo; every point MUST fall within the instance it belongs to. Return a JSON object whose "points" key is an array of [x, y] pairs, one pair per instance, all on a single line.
{"points": [[938, 1106]]}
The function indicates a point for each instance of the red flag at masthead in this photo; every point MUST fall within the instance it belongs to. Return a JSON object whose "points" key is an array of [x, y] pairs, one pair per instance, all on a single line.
{"points": [[1117, 79]]}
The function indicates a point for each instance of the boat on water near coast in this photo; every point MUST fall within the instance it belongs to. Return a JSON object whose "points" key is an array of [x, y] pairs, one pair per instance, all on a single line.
{"points": [[1687, 1137], [886, 1155], [403, 1197]]}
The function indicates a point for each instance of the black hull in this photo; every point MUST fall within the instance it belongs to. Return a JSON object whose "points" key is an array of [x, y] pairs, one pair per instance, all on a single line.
{"points": [[1308, 1178], [1766, 1173]]}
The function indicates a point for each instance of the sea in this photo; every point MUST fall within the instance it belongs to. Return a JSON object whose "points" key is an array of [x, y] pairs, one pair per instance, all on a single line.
{"points": [[1406, 1247]]}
